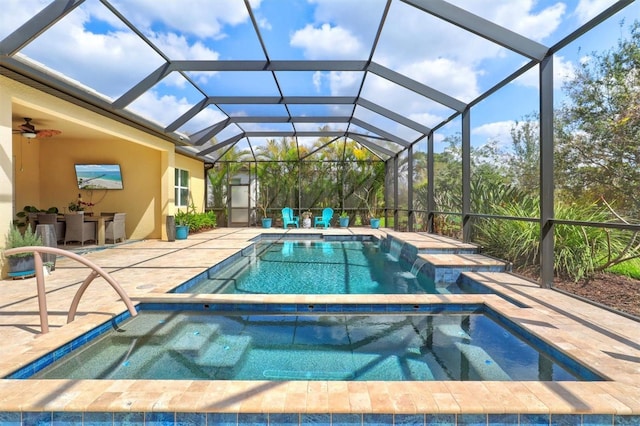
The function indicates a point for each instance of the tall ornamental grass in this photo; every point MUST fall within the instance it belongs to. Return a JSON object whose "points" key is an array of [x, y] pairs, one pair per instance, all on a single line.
{"points": [[579, 251]]}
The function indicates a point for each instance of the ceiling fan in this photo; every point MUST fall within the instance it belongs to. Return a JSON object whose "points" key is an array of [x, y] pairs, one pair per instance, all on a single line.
{"points": [[29, 131]]}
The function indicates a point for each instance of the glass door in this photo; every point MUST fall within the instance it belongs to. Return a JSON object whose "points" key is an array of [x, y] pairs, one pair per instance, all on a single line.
{"points": [[239, 207]]}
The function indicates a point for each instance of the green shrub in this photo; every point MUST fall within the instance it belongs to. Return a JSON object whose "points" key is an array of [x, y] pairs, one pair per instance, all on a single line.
{"points": [[579, 251], [196, 221], [24, 214], [202, 221], [512, 240]]}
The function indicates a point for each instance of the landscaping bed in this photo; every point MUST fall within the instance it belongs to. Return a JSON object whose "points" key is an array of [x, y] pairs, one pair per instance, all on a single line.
{"points": [[616, 291]]}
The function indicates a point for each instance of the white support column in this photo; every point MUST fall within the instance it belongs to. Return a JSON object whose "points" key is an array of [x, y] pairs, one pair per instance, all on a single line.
{"points": [[167, 189], [6, 167]]}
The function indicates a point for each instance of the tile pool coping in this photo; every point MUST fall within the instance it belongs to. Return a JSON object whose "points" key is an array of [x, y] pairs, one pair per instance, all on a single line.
{"points": [[603, 340]]}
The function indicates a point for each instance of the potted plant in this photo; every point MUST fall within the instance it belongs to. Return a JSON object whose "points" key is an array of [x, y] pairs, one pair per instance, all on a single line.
{"points": [[371, 202], [266, 187], [374, 220], [344, 219], [182, 224], [22, 264], [263, 205], [306, 219], [78, 206], [28, 215], [266, 221], [74, 207]]}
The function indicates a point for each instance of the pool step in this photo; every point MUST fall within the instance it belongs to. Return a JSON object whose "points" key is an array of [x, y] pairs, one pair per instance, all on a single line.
{"points": [[408, 247], [482, 363], [151, 327], [225, 351], [443, 247], [453, 331], [446, 268], [193, 339]]}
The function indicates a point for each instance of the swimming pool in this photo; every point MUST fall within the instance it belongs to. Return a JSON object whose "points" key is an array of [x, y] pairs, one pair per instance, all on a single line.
{"points": [[320, 267], [333, 342]]}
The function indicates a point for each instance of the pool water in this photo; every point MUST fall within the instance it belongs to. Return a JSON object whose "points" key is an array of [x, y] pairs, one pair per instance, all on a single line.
{"points": [[200, 345], [319, 267]]}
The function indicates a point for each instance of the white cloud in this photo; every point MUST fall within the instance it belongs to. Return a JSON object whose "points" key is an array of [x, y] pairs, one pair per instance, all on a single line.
{"points": [[195, 17], [585, 59], [499, 131], [326, 42], [587, 9], [456, 79], [264, 24], [536, 26], [163, 109], [147, 106], [174, 79], [17, 12], [114, 61], [454, 61], [111, 63], [520, 16], [411, 36], [317, 80], [177, 47], [563, 71], [403, 101], [361, 17], [344, 83], [415, 43], [426, 118], [340, 83]]}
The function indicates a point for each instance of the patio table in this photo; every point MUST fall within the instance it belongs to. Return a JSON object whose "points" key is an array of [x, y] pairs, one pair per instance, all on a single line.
{"points": [[101, 224]]}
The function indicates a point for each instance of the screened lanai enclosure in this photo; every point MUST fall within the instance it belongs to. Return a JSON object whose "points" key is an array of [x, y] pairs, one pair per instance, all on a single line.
{"points": [[344, 177], [455, 117]]}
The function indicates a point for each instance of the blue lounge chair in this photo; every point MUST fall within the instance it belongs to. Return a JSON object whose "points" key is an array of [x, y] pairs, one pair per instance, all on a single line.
{"points": [[288, 218], [325, 219]]}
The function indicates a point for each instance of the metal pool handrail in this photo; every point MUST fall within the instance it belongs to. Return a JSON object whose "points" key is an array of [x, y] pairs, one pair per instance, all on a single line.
{"points": [[95, 271]]}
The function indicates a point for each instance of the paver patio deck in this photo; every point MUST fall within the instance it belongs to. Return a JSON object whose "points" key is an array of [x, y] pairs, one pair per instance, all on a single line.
{"points": [[602, 340]]}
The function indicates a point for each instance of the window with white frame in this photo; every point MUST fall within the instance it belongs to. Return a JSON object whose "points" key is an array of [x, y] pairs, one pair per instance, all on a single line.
{"points": [[182, 188]]}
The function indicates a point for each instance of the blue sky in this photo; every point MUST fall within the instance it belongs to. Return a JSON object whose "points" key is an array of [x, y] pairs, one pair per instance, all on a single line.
{"points": [[94, 48]]}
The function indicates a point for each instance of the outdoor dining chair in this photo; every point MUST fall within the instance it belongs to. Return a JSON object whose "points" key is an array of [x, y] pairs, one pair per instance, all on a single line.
{"points": [[115, 229], [76, 229]]}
